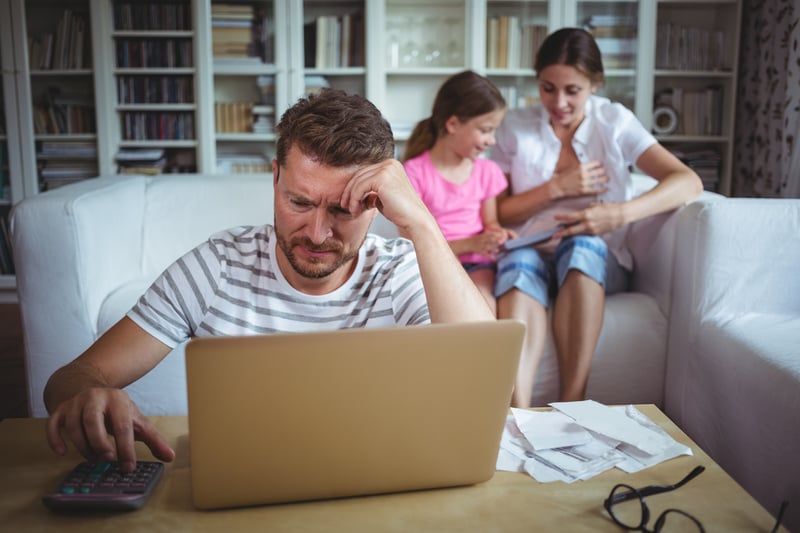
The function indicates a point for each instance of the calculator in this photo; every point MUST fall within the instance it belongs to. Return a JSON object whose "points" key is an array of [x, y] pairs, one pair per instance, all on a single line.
{"points": [[103, 486]]}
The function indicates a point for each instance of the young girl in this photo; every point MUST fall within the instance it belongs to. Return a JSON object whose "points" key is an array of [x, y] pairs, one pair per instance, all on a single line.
{"points": [[567, 162], [460, 188]]}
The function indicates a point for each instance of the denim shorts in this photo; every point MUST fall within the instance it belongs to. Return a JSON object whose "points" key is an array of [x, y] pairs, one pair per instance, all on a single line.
{"points": [[539, 275]]}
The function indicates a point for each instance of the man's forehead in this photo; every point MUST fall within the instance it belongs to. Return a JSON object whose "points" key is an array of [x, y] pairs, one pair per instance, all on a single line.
{"points": [[319, 183]]}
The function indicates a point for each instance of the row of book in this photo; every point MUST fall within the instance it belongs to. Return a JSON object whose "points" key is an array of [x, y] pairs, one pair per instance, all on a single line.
{"points": [[706, 162], [243, 164], [66, 49], [148, 16], [698, 111], [5, 187], [6, 259], [161, 53], [64, 162], [155, 89], [59, 113], [615, 36], [243, 117], [332, 41], [153, 161], [511, 43], [242, 32], [689, 48], [157, 125]]}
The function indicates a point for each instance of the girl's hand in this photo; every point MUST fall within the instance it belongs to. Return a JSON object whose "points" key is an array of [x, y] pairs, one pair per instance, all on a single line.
{"points": [[596, 219], [585, 179], [489, 242]]}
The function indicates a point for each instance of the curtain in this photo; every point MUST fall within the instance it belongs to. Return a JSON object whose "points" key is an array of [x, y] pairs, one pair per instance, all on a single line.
{"points": [[767, 136]]}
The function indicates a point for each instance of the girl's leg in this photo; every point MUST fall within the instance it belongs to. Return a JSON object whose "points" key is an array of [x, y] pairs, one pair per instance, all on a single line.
{"points": [[516, 304]]}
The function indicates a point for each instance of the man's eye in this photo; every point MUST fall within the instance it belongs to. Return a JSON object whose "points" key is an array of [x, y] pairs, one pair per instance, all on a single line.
{"points": [[340, 212], [301, 204]]}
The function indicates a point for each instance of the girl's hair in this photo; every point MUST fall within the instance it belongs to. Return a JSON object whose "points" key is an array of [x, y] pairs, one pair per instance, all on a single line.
{"points": [[464, 95], [574, 47]]}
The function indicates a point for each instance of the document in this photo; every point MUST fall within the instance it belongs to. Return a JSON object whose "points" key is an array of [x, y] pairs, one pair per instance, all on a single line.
{"points": [[579, 440]]}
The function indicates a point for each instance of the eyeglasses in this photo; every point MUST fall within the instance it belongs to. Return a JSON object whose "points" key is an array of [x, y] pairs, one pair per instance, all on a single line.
{"points": [[627, 508]]}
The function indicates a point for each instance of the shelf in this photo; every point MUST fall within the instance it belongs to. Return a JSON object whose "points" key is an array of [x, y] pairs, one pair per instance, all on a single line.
{"points": [[61, 72], [245, 137]]}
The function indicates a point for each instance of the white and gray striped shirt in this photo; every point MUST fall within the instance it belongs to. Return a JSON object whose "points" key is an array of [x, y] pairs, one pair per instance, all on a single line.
{"points": [[231, 285]]}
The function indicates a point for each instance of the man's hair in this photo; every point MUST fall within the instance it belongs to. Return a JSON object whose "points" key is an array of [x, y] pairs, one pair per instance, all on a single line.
{"points": [[336, 129]]}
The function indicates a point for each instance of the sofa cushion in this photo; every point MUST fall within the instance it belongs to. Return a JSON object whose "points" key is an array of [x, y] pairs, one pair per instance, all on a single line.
{"points": [[628, 364]]}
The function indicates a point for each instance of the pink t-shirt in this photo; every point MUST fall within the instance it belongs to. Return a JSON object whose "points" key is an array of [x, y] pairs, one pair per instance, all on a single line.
{"points": [[457, 206]]}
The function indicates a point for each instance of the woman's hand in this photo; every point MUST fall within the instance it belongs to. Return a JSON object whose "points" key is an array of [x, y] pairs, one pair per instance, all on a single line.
{"points": [[584, 179], [596, 219]]}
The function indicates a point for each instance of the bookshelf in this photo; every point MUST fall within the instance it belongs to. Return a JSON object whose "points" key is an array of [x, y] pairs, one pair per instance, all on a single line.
{"points": [[7, 148], [199, 87]]}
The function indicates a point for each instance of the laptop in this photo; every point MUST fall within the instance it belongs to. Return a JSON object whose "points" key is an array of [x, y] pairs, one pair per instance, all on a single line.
{"points": [[306, 416]]}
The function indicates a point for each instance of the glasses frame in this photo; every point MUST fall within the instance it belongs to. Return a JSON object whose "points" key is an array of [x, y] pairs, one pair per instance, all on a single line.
{"points": [[631, 493]]}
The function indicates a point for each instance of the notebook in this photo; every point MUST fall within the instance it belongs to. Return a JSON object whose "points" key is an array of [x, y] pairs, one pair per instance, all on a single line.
{"points": [[292, 417]]}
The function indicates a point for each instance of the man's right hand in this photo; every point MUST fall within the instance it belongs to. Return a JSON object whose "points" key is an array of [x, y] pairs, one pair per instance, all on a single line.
{"points": [[103, 424]]}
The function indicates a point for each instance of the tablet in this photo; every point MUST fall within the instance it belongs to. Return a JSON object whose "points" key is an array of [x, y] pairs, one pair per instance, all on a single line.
{"points": [[534, 238]]}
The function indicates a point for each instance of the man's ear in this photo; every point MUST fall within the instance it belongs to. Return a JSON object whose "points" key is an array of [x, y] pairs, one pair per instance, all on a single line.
{"points": [[276, 172]]}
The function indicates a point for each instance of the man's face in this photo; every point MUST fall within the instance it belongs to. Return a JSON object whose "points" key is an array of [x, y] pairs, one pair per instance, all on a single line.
{"points": [[318, 240]]}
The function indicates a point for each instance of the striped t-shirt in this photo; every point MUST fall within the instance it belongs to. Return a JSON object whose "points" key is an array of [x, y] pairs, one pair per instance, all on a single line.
{"points": [[231, 285]]}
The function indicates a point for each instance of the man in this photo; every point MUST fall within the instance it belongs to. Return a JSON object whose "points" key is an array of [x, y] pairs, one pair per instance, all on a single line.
{"points": [[315, 268]]}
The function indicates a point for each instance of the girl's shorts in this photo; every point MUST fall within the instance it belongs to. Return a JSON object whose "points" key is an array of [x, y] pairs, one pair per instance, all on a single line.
{"points": [[472, 267], [540, 275]]}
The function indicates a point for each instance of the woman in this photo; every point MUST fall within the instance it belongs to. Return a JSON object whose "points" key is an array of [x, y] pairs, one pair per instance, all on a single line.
{"points": [[567, 161]]}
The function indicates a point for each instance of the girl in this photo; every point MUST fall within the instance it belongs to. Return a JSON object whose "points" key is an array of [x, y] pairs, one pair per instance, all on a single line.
{"points": [[460, 188], [567, 162]]}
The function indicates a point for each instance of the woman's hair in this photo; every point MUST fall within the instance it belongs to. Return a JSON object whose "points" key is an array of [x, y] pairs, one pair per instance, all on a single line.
{"points": [[336, 129], [574, 47], [464, 95]]}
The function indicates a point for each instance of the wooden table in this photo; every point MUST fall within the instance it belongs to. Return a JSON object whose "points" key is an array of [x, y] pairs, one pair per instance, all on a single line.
{"points": [[508, 502]]}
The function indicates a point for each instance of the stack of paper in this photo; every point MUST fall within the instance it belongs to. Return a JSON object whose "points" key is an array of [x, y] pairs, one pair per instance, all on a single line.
{"points": [[582, 439]]}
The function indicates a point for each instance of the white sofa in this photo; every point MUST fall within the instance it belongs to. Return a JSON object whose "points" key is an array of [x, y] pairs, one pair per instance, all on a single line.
{"points": [[733, 370], [85, 253], [710, 331]]}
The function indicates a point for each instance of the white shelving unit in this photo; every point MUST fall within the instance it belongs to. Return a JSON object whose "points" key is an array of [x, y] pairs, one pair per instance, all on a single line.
{"points": [[407, 49]]}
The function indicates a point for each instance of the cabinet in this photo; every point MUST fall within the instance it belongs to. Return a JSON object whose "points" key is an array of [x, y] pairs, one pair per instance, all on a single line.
{"points": [[197, 85]]}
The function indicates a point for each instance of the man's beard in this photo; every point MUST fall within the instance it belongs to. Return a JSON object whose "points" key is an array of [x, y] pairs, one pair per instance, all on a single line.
{"points": [[313, 268]]}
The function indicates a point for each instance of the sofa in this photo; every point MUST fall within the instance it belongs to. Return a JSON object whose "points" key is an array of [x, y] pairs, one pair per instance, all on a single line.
{"points": [[85, 252], [733, 368]]}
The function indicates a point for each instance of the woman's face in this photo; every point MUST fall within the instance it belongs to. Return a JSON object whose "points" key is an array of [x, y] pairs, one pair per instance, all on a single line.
{"points": [[564, 90]]}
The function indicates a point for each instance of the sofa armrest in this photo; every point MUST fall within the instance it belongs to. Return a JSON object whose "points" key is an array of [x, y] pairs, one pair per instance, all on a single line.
{"points": [[736, 257], [72, 246]]}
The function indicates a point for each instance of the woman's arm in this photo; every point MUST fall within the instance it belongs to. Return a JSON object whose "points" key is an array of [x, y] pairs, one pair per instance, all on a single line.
{"points": [[677, 184]]}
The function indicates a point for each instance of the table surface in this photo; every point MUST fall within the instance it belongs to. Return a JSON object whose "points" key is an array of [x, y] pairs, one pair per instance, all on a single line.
{"points": [[508, 502]]}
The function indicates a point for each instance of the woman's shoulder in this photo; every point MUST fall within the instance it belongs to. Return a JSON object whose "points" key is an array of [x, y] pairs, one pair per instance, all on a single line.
{"points": [[608, 111]]}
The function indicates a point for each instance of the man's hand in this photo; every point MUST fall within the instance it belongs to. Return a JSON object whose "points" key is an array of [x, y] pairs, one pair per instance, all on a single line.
{"points": [[91, 418], [386, 187]]}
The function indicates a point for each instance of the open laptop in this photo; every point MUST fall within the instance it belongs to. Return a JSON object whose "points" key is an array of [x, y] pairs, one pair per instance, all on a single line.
{"points": [[304, 416]]}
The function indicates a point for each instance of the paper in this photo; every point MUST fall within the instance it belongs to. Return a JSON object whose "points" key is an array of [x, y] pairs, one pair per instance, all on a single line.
{"points": [[549, 429], [614, 424], [582, 439]]}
